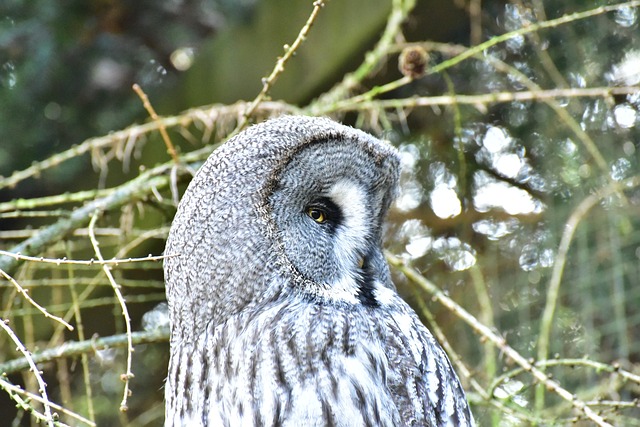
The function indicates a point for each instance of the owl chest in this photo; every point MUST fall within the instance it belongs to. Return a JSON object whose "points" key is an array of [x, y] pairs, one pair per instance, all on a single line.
{"points": [[307, 370]]}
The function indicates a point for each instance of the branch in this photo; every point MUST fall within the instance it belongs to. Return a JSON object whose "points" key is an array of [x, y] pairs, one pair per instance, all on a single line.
{"points": [[553, 290], [25, 293], [14, 391], [127, 193], [42, 387], [76, 348], [123, 306], [59, 261], [268, 82], [358, 104], [533, 27], [372, 59], [154, 116], [497, 340], [208, 116]]}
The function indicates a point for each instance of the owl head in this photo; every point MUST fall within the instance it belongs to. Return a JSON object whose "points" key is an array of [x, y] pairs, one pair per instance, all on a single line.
{"points": [[294, 205]]}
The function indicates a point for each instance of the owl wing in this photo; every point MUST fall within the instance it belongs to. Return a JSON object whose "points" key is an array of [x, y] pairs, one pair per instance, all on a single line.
{"points": [[426, 388]]}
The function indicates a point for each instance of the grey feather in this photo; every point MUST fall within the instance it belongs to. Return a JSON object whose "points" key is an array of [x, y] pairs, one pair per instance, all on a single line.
{"points": [[281, 304]]}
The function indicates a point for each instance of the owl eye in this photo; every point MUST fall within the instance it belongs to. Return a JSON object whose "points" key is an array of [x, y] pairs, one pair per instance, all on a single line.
{"points": [[317, 215], [324, 211]]}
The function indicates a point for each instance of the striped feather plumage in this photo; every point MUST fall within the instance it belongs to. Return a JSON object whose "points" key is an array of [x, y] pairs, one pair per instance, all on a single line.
{"points": [[280, 317]]}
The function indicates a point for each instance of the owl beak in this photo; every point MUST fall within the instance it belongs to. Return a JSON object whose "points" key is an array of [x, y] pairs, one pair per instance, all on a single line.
{"points": [[361, 262]]}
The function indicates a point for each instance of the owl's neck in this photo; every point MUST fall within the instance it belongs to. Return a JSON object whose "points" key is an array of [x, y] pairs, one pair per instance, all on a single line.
{"points": [[290, 348]]}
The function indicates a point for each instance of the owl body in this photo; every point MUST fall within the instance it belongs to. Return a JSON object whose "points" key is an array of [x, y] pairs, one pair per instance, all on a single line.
{"points": [[281, 304]]}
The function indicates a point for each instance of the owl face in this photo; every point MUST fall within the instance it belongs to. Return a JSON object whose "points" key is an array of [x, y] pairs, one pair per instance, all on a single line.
{"points": [[294, 202], [329, 219]]}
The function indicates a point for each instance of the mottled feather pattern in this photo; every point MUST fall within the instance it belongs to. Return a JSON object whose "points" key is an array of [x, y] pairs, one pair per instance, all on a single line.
{"points": [[258, 371], [279, 319]]}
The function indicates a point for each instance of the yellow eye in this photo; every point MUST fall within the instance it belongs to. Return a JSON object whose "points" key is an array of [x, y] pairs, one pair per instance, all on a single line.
{"points": [[317, 215]]}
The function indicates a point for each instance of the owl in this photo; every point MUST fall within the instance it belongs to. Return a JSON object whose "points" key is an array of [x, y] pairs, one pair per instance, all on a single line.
{"points": [[281, 304]]}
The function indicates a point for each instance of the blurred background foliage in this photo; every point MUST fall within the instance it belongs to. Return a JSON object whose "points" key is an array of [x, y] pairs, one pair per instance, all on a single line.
{"points": [[522, 210]]}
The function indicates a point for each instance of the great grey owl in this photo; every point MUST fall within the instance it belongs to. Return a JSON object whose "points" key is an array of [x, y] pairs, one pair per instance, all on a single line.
{"points": [[281, 304]]}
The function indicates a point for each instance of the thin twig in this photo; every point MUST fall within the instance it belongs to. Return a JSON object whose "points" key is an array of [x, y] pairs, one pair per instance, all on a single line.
{"points": [[480, 99], [58, 199], [535, 27], [400, 9], [543, 54], [33, 368], [461, 367], [99, 301], [208, 116], [25, 294], [475, 21], [562, 112], [370, 94], [497, 340], [125, 312], [14, 389], [553, 290], [552, 102], [77, 232], [34, 214], [75, 348], [543, 364], [59, 261], [160, 233], [268, 82], [355, 102], [154, 116], [84, 359], [129, 192]]}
